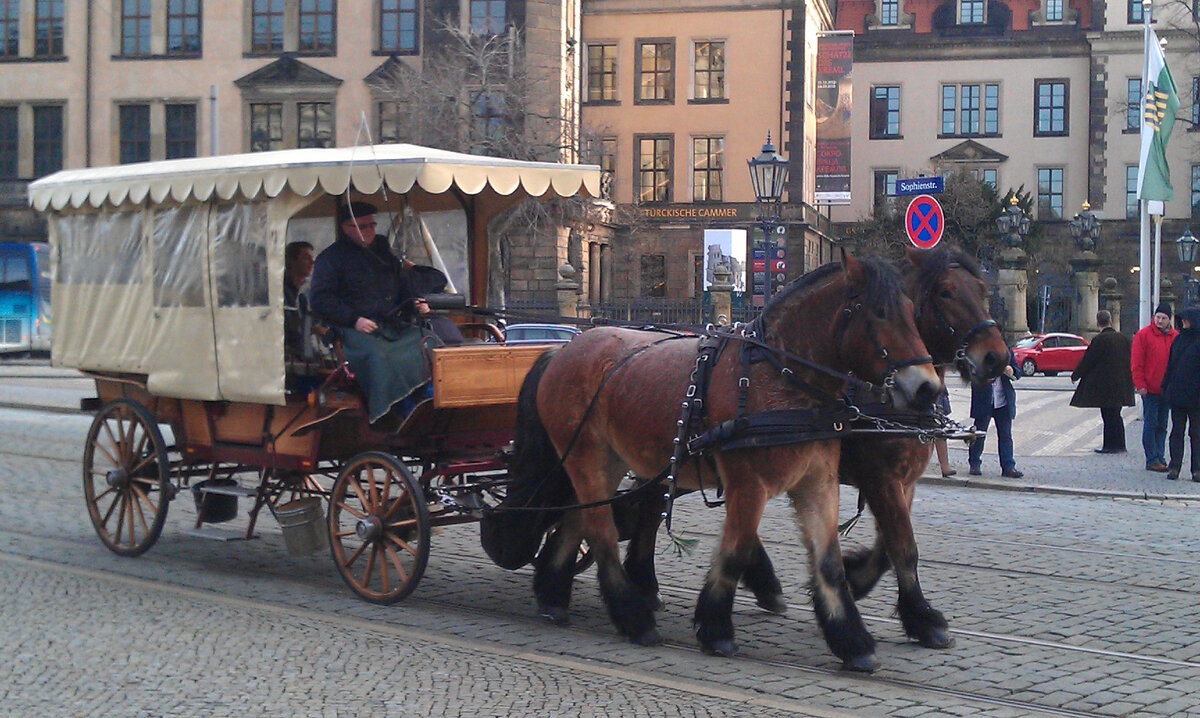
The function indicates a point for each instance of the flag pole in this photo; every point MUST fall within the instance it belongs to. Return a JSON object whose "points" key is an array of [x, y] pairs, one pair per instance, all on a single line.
{"points": [[1144, 271]]}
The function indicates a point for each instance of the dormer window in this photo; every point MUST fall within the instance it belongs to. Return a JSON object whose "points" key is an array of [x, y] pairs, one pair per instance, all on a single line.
{"points": [[972, 12]]}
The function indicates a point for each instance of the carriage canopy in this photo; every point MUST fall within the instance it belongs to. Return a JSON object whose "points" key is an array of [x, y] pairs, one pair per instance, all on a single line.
{"points": [[174, 270]]}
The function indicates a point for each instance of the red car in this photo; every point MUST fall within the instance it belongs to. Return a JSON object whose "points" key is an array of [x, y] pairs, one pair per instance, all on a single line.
{"points": [[1049, 353]]}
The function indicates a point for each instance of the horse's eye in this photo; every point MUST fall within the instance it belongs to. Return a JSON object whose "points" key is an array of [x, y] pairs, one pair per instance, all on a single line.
{"points": [[946, 294], [878, 312]]}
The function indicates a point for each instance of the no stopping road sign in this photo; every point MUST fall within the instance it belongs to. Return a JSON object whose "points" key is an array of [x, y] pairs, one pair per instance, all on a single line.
{"points": [[923, 222]]}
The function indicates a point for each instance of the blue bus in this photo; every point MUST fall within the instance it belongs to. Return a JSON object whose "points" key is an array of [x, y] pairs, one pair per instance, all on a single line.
{"points": [[24, 297]]}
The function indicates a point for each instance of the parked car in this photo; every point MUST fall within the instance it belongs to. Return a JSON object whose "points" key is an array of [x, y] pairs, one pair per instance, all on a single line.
{"points": [[1049, 353], [539, 333]]}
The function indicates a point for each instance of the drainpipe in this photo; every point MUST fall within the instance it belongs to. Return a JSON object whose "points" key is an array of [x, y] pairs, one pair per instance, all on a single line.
{"points": [[87, 91]]}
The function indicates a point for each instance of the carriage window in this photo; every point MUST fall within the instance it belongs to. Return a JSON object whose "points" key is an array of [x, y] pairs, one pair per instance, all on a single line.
{"points": [[447, 234], [100, 249], [239, 258], [178, 238]]}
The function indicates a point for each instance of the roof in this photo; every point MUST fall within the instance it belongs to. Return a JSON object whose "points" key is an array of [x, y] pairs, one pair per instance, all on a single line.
{"points": [[266, 174]]}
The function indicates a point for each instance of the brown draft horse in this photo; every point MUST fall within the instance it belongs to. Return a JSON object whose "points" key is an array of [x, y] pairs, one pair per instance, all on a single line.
{"points": [[608, 402], [950, 301]]}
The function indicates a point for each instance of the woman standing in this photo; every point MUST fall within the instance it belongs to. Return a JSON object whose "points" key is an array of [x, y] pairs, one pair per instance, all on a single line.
{"points": [[1181, 387]]}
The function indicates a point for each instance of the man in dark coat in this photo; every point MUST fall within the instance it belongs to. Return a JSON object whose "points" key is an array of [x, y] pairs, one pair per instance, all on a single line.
{"points": [[996, 400], [1105, 381], [360, 286], [1181, 388]]}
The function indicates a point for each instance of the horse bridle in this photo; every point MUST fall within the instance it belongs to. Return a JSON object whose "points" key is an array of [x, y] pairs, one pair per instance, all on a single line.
{"points": [[889, 378], [960, 354]]}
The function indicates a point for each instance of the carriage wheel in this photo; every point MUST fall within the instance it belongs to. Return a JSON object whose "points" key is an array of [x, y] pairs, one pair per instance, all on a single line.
{"points": [[126, 477], [378, 528]]}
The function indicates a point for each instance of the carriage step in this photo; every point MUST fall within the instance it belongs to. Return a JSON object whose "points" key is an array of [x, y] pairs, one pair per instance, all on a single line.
{"points": [[234, 490], [216, 533]]}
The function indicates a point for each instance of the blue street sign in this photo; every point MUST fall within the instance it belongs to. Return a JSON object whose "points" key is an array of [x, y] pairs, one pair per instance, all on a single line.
{"points": [[920, 185]]}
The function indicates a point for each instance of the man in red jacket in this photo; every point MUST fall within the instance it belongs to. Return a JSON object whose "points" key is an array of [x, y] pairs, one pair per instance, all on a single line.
{"points": [[1148, 362]]}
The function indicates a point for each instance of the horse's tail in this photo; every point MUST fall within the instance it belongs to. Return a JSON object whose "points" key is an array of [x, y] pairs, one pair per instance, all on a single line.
{"points": [[536, 479]]}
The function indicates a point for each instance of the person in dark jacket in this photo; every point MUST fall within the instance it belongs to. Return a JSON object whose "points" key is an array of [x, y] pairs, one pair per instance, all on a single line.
{"points": [[1105, 381], [1181, 389], [996, 400], [298, 265], [375, 297]]}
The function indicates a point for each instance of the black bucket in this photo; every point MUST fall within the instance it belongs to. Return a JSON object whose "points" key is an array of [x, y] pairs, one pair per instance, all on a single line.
{"points": [[215, 508]]}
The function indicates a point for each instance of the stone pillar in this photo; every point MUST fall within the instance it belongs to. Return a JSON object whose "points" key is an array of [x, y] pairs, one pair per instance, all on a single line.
{"points": [[1110, 299], [1166, 293], [567, 290], [721, 293], [1087, 293], [1013, 284]]}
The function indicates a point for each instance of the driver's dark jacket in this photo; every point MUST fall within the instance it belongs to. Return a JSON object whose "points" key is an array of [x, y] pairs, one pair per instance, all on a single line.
{"points": [[350, 281]]}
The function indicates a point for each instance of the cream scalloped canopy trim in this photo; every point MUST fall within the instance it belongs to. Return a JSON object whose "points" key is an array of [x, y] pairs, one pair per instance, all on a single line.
{"points": [[267, 174]]}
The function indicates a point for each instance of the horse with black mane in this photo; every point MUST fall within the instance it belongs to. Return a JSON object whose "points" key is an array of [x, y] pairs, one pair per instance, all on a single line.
{"points": [[608, 403]]}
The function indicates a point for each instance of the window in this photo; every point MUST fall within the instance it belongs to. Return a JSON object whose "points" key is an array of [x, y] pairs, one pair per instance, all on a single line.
{"points": [[971, 12], [183, 27], [488, 116], [608, 166], [1134, 11], [988, 175], [1050, 193], [1195, 103], [885, 189], [1054, 10], [266, 126], [709, 80], [1196, 190], [9, 145], [1050, 99], [655, 71], [1131, 199], [889, 12], [398, 26], [885, 112], [47, 139], [316, 26], [970, 110], [180, 136], [266, 21], [135, 27], [314, 124], [1133, 104], [389, 122], [654, 275], [488, 17], [10, 28], [653, 169], [707, 165], [602, 72], [134, 124], [48, 32]]}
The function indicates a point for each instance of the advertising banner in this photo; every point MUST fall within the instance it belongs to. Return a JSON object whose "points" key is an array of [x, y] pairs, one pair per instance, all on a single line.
{"points": [[835, 60]]}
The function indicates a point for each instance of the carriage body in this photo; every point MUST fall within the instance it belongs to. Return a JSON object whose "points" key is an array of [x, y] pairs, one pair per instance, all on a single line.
{"points": [[168, 288]]}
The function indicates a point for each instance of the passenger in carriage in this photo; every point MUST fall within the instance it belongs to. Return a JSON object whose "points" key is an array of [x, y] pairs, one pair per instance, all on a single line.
{"points": [[298, 265], [378, 301]]}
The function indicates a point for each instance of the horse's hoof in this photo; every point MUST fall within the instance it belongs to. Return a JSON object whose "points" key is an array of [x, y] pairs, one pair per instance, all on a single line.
{"points": [[650, 637], [865, 663], [656, 602], [555, 614], [773, 604], [724, 648], [936, 638]]}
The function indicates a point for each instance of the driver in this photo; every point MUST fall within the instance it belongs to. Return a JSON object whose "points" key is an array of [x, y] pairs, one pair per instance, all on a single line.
{"points": [[377, 300]]}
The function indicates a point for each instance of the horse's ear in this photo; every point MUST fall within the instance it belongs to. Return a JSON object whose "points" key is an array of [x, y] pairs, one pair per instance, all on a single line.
{"points": [[914, 255], [851, 266]]}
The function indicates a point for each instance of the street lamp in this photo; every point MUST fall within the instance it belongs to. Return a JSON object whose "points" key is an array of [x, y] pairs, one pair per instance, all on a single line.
{"points": [[768, 173], [1085, 229], [1186, 246], [1013, 224]]}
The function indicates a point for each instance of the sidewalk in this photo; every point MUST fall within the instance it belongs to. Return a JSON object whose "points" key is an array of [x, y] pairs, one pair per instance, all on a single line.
{"points": [[34, 384]]}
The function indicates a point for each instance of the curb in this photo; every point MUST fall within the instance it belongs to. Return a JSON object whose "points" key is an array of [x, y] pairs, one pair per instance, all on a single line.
{"points": [[1026, 487], [41, 407]]}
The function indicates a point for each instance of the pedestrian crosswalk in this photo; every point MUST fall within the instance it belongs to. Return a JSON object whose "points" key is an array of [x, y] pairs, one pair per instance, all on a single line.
{"points": [[1046, 423]]}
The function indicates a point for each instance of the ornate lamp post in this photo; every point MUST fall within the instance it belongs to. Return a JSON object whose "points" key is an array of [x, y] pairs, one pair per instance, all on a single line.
{"points": [[1013, 224], [768, 173], [1085, 229], [1186, 247]]}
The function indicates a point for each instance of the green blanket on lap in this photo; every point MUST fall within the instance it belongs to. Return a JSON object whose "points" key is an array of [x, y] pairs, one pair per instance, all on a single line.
{"points": [[390, 364]]}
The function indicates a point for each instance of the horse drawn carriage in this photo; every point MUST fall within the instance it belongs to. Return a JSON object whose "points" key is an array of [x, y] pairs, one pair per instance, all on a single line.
{"points": [[169, 293]]}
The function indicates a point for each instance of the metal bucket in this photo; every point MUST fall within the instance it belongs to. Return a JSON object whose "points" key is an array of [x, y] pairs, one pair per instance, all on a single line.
{"points": [[215, 508], [303, 528]]}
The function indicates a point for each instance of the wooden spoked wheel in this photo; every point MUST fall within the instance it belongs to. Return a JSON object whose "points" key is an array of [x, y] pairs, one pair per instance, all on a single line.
{"points": [[378, 528], [126, 477]]}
